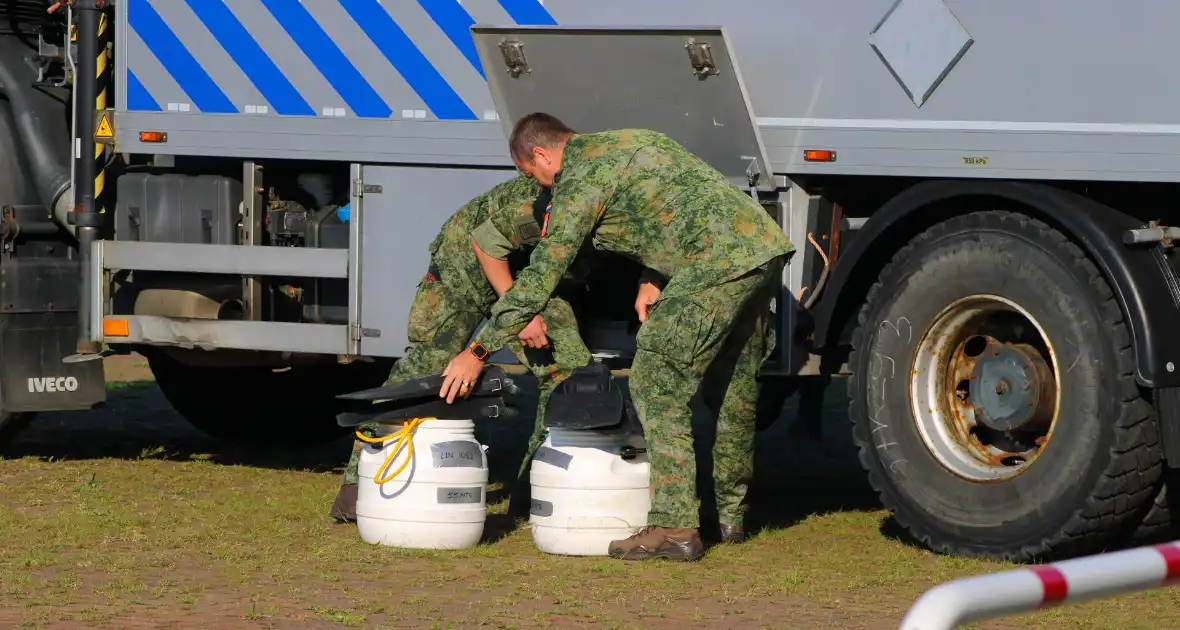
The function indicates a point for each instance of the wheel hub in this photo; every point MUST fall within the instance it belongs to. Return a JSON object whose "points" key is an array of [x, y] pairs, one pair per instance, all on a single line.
{"points": [[1011, 388], [984, 389]]}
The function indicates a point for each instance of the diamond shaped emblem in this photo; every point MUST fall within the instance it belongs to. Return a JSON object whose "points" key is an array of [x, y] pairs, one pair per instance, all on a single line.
{"points": [[920, 41]]}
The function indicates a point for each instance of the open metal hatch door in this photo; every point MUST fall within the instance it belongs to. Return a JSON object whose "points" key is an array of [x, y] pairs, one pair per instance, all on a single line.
{"points": [[683, 82]]}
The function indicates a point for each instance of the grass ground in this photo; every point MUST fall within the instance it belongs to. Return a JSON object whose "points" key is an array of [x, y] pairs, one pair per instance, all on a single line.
{"points": [[128, 518]]}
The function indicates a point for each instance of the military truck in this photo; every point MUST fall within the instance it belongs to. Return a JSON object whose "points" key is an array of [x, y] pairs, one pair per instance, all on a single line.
{"points": [[981, 196]]}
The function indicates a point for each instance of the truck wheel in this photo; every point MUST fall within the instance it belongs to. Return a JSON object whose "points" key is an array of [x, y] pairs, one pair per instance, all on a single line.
{"points": [[260, 406], [994, 398]]}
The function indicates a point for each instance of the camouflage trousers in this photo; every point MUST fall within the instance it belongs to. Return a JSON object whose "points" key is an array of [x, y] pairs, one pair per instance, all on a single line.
{"points": [[709, 343], [444, 316]]}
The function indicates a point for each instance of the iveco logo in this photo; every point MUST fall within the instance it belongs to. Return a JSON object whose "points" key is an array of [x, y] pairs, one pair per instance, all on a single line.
{"points": [[53, 384]]}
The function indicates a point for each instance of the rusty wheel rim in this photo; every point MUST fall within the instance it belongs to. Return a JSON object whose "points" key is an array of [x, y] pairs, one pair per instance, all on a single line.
{"points": [[984, 389]]}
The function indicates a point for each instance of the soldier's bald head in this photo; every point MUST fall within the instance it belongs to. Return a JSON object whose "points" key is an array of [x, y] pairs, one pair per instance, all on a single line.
{"points": [[536, 130]]}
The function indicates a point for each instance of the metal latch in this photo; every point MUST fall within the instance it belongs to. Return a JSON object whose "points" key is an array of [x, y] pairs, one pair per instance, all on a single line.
{"points": [[701, 57], [753, 174], [359, 332], [513, 52], [373, 189]]}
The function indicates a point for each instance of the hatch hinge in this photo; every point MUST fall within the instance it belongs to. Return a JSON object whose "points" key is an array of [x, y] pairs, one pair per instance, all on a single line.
{"points": [[700, 55], [513, 52]]}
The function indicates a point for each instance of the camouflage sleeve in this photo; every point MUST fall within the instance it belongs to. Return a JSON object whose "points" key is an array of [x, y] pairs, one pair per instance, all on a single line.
{"points": [[577, 202], [492, 241]]}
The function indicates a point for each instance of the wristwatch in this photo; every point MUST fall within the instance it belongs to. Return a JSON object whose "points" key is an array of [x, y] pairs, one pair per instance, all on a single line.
{"points": [[478, 350]]}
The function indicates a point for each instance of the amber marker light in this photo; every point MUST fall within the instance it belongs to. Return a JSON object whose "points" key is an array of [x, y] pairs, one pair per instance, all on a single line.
{"points": [[153, 136], [116, 328], [819, 155]]}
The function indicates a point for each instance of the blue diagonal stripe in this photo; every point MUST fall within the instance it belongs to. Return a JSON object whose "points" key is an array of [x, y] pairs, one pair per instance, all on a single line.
{"points": [[414, 67], [528, 13], [456, 22], [138, 98], [176, 59], [328, 58], [250, 57]]}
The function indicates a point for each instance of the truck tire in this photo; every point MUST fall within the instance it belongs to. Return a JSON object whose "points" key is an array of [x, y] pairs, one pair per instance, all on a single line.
{"points": [[994, 400], [260, 406], [1161, 523]]}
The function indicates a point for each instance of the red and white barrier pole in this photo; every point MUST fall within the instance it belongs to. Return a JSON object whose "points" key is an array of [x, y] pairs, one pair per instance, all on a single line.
{"points": [[989, 596]]}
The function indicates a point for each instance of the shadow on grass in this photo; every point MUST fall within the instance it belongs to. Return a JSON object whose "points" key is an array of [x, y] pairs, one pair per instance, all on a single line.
{"points": [[805, 462], [137, 423]]}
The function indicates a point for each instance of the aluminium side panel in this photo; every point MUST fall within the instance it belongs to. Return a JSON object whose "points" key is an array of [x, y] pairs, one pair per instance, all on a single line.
{"points": [[399, 224], [1051, 89]]}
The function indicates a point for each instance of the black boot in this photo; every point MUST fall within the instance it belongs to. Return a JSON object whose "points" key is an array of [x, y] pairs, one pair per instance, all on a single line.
{"points": [[732, 534]]}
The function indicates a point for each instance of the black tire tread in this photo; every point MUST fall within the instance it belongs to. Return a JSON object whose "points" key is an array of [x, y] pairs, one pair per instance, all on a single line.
{"points": [[1161, 523], [1131, 478]]}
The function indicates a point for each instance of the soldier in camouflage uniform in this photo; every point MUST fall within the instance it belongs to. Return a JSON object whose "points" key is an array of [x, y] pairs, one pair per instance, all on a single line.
{"points": [[641, 194], [455, 296]]}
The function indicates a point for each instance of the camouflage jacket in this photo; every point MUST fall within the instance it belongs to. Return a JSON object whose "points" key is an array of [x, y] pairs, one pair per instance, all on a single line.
{"points": [[641, 194], [510, 216], [510, 203]]}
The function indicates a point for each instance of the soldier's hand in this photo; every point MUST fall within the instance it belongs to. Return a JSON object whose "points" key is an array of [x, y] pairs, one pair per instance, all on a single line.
{"points": [[535, 334], [460, 376], [648, 294]]}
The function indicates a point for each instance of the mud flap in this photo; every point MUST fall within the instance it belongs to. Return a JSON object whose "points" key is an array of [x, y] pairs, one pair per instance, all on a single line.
{"points": [[38, 327]]}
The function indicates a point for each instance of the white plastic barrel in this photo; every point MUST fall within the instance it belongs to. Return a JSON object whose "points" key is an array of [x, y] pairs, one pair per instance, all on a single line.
{"points": [[439, 501], [584, 494]]}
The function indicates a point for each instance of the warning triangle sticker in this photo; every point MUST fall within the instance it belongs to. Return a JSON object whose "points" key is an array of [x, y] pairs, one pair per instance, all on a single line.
{"points": [[104, 130]]}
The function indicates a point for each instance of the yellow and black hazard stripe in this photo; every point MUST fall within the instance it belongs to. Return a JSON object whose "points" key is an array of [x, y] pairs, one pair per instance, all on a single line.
{"points": [[103, 66]]}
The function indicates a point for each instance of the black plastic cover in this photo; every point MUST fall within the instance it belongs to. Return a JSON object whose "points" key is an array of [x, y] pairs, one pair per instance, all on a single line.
{"points": [[592, 399]]}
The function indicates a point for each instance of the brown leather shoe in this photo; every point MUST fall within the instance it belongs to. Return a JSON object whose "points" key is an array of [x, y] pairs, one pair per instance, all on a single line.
{"points": [[344, 508], [732, 534], [659, 542]]}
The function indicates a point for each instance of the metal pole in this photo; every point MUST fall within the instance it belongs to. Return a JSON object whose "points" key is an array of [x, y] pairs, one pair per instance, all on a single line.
{"points": [[946, 606], [85, 217]]}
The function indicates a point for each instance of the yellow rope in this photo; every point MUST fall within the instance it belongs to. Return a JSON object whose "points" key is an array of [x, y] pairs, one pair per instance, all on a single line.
{"points": [[404, 437]]}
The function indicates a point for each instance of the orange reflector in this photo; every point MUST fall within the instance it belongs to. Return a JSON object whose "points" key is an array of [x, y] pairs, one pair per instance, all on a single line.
{"points": [[116, 328], [819, 155], [153, 136]]}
